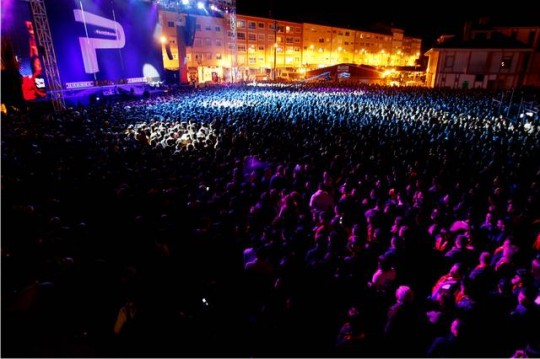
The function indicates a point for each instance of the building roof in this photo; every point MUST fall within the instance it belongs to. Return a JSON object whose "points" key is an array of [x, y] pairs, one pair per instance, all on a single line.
{"points": [[497, 41]]}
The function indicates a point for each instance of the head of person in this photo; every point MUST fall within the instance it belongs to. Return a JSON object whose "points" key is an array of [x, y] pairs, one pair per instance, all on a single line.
{"points": [[36, 66], [404, 295]]}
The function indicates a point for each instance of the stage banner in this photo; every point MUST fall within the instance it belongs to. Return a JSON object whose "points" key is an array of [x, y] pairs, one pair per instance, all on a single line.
{"points": [[105, 42]]}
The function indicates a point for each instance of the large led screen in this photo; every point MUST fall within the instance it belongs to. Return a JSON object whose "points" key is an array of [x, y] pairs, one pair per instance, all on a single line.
{"points": [[101, 42], [19, 33]]}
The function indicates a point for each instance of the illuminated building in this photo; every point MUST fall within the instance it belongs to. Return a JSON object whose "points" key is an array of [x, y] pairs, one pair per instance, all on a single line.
{"points": [[272, 49]]}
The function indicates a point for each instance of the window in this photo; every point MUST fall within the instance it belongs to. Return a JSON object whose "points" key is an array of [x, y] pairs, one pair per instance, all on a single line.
{"points": [[261, 48], [260, 25], [252, 37], [506, 62], [219, 43], [252, 25], [532, 34], [207, 42], [241, 35], [208, 28], [261, 37], [170, 23], [449, 61], [218, 56], [217, 29], [240, 24], [252, 60], [242, 48]]}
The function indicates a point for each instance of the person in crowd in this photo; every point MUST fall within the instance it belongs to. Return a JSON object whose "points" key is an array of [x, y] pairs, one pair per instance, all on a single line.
{"points": [[452, 345], [321, 201], [403, 316]]}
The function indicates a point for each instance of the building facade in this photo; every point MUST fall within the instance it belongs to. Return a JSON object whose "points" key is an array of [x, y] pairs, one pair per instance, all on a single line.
{"points": [[270, 49], [528, 35], [486, 57]]}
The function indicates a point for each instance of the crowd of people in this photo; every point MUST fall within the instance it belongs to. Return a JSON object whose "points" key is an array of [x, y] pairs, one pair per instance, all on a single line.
{"points": [[318, 221]]}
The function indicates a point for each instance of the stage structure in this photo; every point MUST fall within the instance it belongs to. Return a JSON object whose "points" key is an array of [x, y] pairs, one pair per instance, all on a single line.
{"points": [[44, 38], [102, 43], [185, 22], [67, 47], [229, 7]]}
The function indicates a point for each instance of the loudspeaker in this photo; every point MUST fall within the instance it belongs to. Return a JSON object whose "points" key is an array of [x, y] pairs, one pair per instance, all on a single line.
{"points": [[168, 50], [189, 30]]}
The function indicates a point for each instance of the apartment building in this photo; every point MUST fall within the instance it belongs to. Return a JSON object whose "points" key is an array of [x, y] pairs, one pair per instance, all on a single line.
{"points": [[273, 49], [267, 48]]}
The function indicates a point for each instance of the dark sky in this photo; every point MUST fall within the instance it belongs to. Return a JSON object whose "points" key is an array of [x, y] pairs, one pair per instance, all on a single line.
{"points": [[415, 18]]}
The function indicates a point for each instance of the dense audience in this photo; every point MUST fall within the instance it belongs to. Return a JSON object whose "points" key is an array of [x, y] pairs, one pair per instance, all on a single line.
{"points": [[303, 221]]}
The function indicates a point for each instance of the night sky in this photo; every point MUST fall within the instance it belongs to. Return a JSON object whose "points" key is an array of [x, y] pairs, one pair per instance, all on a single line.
{"points": [[417, 19]]}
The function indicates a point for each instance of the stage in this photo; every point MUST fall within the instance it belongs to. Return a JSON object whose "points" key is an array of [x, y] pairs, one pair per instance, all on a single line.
{"points": [[100, 94]]}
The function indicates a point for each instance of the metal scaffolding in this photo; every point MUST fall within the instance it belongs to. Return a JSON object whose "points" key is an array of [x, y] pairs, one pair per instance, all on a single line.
{"points": [[229, 8], [43, 32]]}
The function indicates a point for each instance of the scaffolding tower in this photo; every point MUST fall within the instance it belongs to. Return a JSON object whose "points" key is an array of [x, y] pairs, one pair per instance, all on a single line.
{"points": [[229, 8], [43, 32]]}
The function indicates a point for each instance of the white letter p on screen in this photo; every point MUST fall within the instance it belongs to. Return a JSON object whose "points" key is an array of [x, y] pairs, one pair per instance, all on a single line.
{"points": [[89, 44]]}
